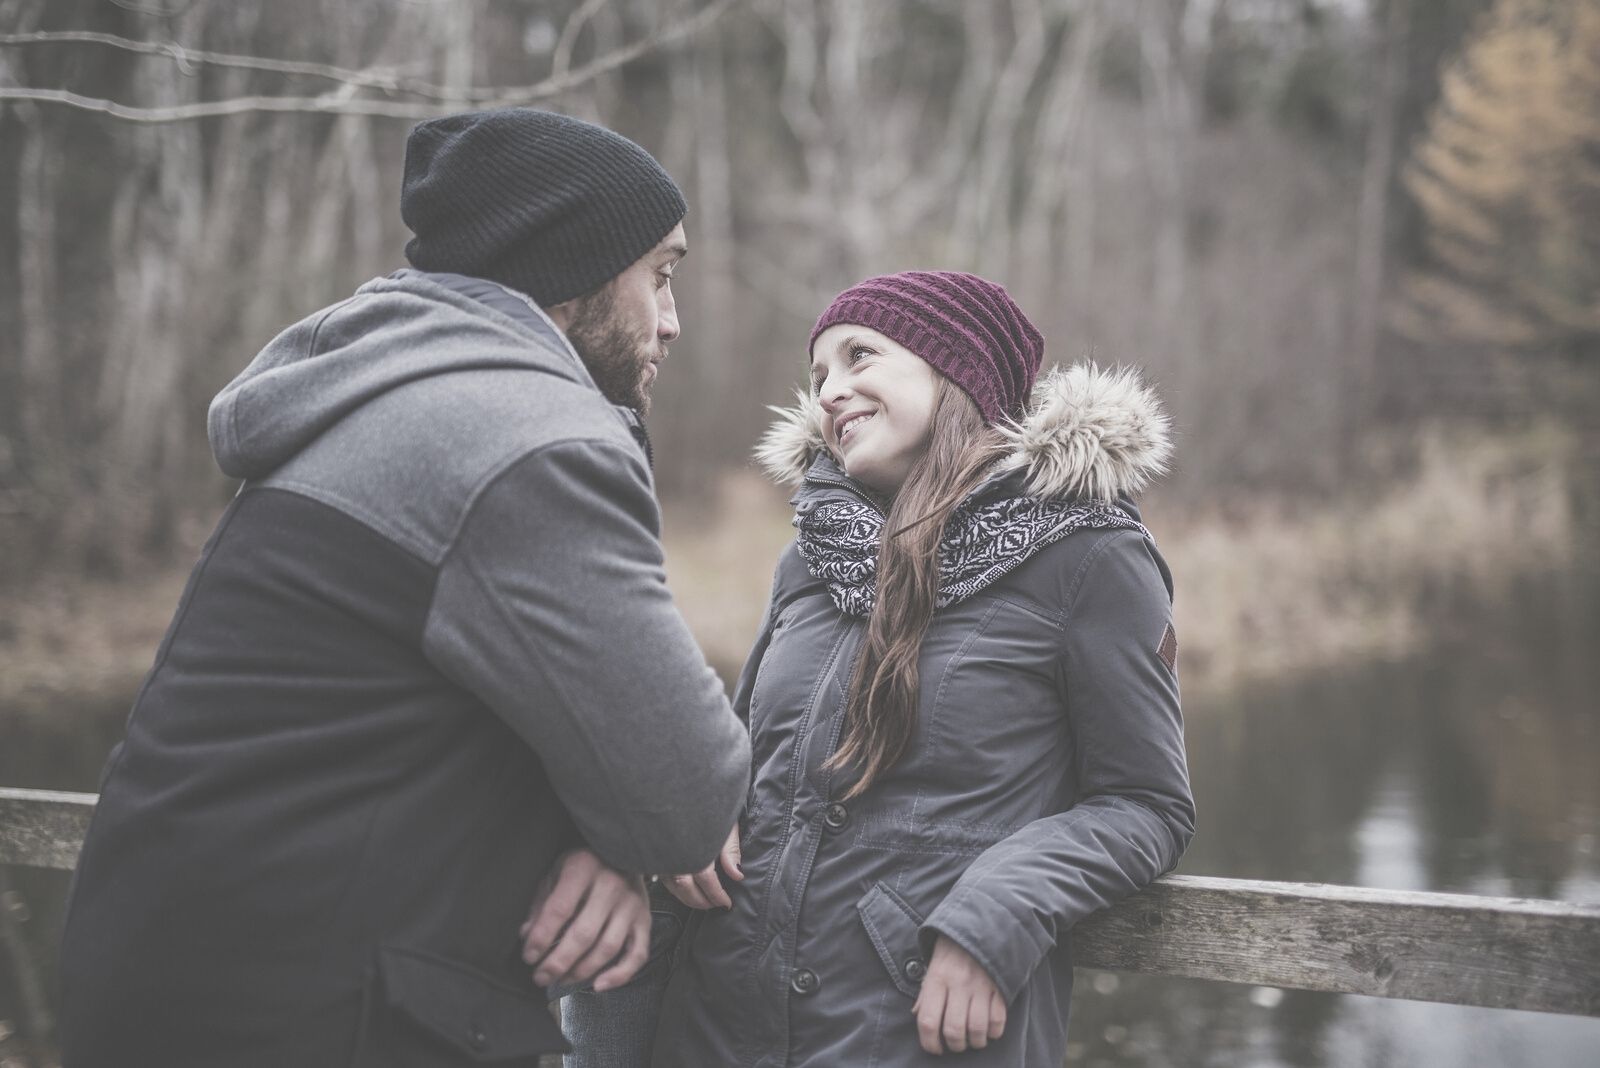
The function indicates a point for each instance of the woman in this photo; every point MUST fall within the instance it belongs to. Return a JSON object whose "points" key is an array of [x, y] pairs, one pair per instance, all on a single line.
{"points": [[963, 707]]}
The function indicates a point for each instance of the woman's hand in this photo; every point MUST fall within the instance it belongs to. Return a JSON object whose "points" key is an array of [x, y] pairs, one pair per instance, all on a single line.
{"points": [[959, 1006], [703, 890]]}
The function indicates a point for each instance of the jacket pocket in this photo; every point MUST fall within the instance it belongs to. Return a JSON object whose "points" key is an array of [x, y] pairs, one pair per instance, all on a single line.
{"points": [[440, 1012], [892, 926]]}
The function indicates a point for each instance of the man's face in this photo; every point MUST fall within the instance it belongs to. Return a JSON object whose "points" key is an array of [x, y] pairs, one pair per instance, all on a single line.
{"points": [[622, 330]]}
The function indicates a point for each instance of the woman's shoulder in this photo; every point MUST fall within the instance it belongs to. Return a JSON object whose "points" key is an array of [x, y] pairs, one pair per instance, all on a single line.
{"points": [[1053, 579], [791, 578]]}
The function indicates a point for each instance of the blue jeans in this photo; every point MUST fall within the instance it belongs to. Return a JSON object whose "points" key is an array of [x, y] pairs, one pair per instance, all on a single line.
{"points": [[616, 1029]]}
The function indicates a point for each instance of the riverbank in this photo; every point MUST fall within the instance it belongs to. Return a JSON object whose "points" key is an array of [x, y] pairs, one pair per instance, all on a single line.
{"points": [[1266, 588]]}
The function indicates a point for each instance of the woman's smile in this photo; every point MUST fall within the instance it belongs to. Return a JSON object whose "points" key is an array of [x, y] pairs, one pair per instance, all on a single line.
{"points": [[846, 426]]}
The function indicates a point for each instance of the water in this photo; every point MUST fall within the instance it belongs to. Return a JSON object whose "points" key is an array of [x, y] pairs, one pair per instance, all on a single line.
{"points": [[1475, 769]]}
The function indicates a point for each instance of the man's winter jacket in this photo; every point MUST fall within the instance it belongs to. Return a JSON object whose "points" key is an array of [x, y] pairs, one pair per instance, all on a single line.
{"points": [[428, 648]]}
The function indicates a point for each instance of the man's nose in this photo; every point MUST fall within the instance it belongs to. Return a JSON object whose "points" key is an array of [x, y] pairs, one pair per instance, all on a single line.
{"points": [[667, 322]]}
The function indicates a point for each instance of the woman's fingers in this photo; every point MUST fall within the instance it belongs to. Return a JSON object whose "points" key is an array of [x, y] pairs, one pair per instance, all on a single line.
{"points": [[997, 1015], [930, 1016], [703, 890], [711, 888], [683, 888], [731, 857]]}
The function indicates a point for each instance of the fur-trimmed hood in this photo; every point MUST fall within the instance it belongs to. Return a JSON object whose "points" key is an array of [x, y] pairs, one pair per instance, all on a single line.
{"points": [[1087, 433]]}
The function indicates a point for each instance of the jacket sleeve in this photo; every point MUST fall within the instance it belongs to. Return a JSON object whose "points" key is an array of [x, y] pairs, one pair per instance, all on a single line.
{"points": [[1134, 814], [783, 579], [552, 607]]}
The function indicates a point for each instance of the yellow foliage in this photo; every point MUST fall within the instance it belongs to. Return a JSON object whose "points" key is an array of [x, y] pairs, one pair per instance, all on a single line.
{"points": [[1508, 181]]}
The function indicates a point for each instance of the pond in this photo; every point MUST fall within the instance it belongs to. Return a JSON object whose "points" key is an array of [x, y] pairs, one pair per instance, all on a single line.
{"points": [[1474, 769]]}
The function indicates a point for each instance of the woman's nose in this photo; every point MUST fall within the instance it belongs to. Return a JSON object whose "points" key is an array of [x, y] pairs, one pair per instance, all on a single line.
{"points": [[833, 393]]}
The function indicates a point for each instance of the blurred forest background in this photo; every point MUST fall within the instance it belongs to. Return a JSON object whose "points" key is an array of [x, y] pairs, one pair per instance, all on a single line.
{"points": [[1356, 246], [1354, 243]]}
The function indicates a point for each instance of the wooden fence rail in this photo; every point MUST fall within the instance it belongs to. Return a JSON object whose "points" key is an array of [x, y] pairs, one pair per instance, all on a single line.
{"points": [[1505, 953]]}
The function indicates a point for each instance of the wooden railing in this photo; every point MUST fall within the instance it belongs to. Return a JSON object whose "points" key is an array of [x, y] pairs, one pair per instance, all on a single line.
{"points": [[1505, 953]]}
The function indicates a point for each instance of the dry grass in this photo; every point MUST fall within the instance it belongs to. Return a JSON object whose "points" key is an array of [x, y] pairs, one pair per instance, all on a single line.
{"points": [[82, 640], [1268, 590], [1264, 589]]}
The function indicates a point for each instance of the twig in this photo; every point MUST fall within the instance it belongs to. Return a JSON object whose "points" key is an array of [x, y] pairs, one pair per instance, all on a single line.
{"points": [[342, 103], [372, 78], [569, 35], [158, 12]]}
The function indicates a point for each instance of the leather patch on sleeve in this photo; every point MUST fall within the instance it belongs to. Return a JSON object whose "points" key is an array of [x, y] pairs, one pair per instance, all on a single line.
{"points": [[1168, 650]]}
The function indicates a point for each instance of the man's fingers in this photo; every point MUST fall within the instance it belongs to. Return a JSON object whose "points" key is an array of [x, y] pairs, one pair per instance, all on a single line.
{"points": [[553, 913], [978, 1021], [711, 887], [579, 936], [605, 947], [997, 1015], [634, 955], [930, 1016], [954, 1027]]}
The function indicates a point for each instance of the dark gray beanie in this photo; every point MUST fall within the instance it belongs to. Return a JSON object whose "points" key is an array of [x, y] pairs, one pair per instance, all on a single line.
{"points": [[549, 205]]}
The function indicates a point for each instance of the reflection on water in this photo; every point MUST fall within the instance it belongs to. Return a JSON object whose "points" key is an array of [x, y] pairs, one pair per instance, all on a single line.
{"points": [[1473, 770]]}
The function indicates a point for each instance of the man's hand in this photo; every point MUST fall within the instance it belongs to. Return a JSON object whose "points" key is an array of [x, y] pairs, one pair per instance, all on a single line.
{"points": [[703, 890], [959, 1005], [584, 919]]}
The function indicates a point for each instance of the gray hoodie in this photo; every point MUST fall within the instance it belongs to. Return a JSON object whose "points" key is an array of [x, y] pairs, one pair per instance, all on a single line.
{"points": [[429, 646]]}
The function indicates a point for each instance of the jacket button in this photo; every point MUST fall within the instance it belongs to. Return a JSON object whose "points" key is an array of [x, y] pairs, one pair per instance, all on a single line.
{"points": [[915, 970], [804, 982], [835, 816], [477, 1038]]}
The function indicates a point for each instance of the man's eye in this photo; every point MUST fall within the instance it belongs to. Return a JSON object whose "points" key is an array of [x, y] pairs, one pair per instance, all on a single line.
{"points": [[858, 354], [663, 278]]}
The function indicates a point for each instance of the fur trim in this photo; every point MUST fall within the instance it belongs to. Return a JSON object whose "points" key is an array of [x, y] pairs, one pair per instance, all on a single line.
{"points": [[1088, 433], [791, 443]]}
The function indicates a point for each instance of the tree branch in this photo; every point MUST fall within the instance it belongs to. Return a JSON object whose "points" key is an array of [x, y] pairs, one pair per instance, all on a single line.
{"points": [[343, 101], [371, 78], [569, 35]]}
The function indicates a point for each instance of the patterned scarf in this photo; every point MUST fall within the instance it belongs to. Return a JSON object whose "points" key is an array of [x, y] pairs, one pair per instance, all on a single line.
{"points": [[839, 543]]}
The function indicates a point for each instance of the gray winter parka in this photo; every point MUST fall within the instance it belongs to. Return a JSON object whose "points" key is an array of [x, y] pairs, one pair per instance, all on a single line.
{"points": [[1045, 779]]}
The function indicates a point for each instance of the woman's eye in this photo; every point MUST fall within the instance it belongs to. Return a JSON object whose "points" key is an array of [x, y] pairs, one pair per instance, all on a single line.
{"points": [[857, 355], [663, 279]]}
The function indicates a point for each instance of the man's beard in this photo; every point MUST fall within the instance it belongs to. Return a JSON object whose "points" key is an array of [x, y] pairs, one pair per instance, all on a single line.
{"points": [[616, 359]]}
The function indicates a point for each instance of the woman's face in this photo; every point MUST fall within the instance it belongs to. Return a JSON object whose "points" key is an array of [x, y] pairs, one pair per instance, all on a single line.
{"points": [[877, 401]]}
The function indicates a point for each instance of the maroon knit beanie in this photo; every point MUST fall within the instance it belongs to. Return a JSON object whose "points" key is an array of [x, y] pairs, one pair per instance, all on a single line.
{"points": [[965, 326]]}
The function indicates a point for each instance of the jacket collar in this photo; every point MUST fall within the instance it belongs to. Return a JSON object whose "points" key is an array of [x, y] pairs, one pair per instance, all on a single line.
{"points": [[1087, 434]]}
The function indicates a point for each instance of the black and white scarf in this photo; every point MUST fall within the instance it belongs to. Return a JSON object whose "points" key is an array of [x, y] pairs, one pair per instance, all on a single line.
{"points": [[839, 541]]}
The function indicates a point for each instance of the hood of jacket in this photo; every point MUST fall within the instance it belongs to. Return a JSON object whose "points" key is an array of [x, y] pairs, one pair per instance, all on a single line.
{"points": [[1088, 433], [394, 331]]}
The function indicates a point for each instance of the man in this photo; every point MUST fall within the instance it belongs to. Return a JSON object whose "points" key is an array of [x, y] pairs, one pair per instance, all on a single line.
{"points": [[427, 653]]}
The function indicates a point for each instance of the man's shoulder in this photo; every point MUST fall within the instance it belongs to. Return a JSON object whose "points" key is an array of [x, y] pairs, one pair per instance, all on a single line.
{"points": [[414, 460]]}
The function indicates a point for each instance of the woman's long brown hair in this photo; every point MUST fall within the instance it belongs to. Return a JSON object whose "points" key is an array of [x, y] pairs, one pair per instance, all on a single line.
{"points": [[882, 710]]}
